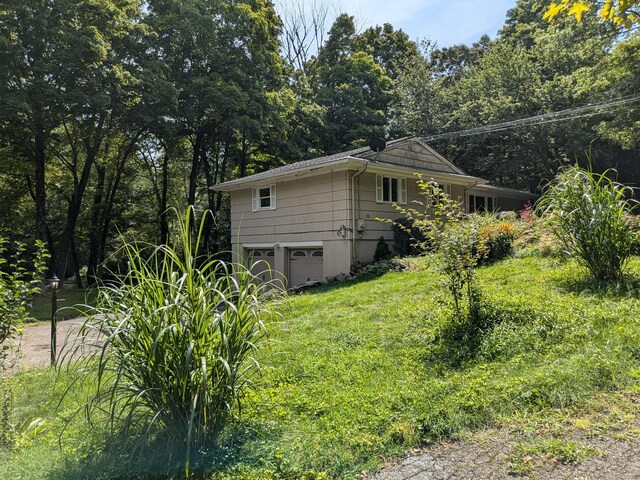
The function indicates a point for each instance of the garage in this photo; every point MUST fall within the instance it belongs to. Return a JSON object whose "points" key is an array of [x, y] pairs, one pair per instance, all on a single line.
{"points": [[305, 264], [261, 261]]}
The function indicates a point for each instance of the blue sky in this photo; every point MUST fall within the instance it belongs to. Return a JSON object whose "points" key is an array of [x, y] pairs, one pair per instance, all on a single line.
{"points": [[447, 22]]}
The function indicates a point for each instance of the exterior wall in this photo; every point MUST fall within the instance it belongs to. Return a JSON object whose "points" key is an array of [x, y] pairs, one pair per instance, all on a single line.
{"points": [[511, 204], [413, 155], [308, 211], [368, 210]]}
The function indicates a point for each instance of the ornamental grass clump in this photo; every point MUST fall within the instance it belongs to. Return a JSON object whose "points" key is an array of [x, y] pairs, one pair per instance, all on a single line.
{"points": [[589, 212], [176, 342]]}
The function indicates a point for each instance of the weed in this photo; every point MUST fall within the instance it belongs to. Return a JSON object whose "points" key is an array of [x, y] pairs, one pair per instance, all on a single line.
{"points": [[525, 455]]}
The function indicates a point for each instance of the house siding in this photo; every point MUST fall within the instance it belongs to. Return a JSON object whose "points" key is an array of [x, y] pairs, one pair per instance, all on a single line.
{"points": [[416, 156], [307, 210], [368, 210]]}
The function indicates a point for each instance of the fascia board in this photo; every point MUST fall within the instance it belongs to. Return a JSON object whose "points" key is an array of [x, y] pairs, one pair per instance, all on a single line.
{"points": [[344, 163], [427, 174]]}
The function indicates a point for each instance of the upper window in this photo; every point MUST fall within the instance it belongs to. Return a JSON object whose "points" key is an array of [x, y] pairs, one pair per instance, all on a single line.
{"points": [[264, 198], [391, 189], [481, 203]]}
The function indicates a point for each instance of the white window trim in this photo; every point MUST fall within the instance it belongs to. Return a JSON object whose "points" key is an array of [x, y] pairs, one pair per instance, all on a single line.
{"points": [[402, 189], [255, 198]]}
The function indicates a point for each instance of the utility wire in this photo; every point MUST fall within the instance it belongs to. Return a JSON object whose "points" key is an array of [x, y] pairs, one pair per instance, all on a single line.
{"points": [[559, 116]]}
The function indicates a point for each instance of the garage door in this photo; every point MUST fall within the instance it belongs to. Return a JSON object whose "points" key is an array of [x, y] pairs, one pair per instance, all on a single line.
{"points": [[261, 262], [304, 265]]}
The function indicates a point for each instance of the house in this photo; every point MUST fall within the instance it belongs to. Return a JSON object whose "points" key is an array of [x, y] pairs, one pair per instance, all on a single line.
{"points": [[316, 219]]}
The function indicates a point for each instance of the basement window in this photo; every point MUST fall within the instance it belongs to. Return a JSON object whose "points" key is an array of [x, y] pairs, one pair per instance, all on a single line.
{"points": [[264, 198], [391, 189]]}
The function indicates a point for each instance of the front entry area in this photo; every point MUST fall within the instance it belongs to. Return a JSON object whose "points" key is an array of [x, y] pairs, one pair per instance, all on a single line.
{"points": [[305, 265]]}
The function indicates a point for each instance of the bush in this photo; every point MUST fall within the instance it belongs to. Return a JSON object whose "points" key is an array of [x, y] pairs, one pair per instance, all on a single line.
{"points": [[19, 273], [180, 334], [376, 269], [495, 240], [408, 239], [382, 250], [588, 212]]}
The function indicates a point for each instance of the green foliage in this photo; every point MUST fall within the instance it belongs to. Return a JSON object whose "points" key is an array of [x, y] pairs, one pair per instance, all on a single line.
{"points": [[383, 252], [406, 238], [588, 212], [553, 449], [180, 337], [20, 275], [440, 220], [380, 267], [493, 236], [352, 381]]}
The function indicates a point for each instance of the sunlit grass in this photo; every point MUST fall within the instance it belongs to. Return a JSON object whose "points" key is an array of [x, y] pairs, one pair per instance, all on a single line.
{"points": [[354, 379]]}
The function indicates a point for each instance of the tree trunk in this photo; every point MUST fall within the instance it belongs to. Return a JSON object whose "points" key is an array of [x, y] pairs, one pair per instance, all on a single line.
{"points": [[75, 204], [40, 191], [94, 238], [195, 168]]}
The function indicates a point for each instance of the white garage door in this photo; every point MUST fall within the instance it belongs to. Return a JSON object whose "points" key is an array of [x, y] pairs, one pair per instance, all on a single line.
{"points": [[261, 261], [305, 265]]}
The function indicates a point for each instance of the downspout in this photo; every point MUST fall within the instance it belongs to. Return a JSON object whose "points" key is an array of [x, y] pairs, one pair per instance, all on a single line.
{"points": [[354, 231]]}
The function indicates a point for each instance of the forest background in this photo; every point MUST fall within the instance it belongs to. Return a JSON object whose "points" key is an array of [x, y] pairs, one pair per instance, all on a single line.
{"points": [[114, 111]]}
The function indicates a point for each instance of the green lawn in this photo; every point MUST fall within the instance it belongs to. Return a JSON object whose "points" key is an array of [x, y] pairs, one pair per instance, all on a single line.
{"points": [[70, 300], [360, 374]]}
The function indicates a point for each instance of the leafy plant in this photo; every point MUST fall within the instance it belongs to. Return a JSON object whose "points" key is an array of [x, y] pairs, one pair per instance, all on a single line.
{"points": [[382, 250], [441, 223], [495, 240], [407, 239], [588, 212], [19, 273], [176, 342]]}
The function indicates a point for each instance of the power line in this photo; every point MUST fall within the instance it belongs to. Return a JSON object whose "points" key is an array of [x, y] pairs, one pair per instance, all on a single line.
{"points": [[559, 116]]}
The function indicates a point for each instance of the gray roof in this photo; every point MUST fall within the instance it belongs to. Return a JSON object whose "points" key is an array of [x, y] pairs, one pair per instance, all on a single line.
{"points": [[314, 162]]}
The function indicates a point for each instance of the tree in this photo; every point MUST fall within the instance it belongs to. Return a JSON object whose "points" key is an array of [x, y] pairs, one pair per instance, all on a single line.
{"points": [[619, 13]]}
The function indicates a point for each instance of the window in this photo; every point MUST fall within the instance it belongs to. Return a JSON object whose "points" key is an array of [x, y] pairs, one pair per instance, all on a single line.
{"points": [[391, 189], [264, 198], [481, 203]]}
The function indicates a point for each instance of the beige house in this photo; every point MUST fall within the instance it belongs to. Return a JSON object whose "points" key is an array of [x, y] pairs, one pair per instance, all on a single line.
{"points": [[316, 219]]}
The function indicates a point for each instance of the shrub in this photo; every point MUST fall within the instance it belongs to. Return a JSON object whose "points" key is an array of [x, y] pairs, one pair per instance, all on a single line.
{"points": [[380, 268], [178, 336], [634, 225], [588, 212], [382, 250], [495, 240], [441, 224], [407, 238], [19, 273]]}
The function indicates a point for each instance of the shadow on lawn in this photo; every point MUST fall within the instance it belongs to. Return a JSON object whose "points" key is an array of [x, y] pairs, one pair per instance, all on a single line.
{"points": [[159, 461], [628, 287]]}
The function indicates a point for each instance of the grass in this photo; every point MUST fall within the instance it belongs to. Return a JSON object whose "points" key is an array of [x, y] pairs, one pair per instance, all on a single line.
{"points": [[552, 450], [69, 301], [358, 376]]}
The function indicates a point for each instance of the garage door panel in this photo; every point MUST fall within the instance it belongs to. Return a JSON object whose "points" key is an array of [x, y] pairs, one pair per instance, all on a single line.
{"points": [[305, 265], [262, 263]]}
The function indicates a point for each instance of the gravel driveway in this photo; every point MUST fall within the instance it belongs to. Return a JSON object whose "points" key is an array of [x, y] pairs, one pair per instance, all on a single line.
{"points": [[35, 347]]}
